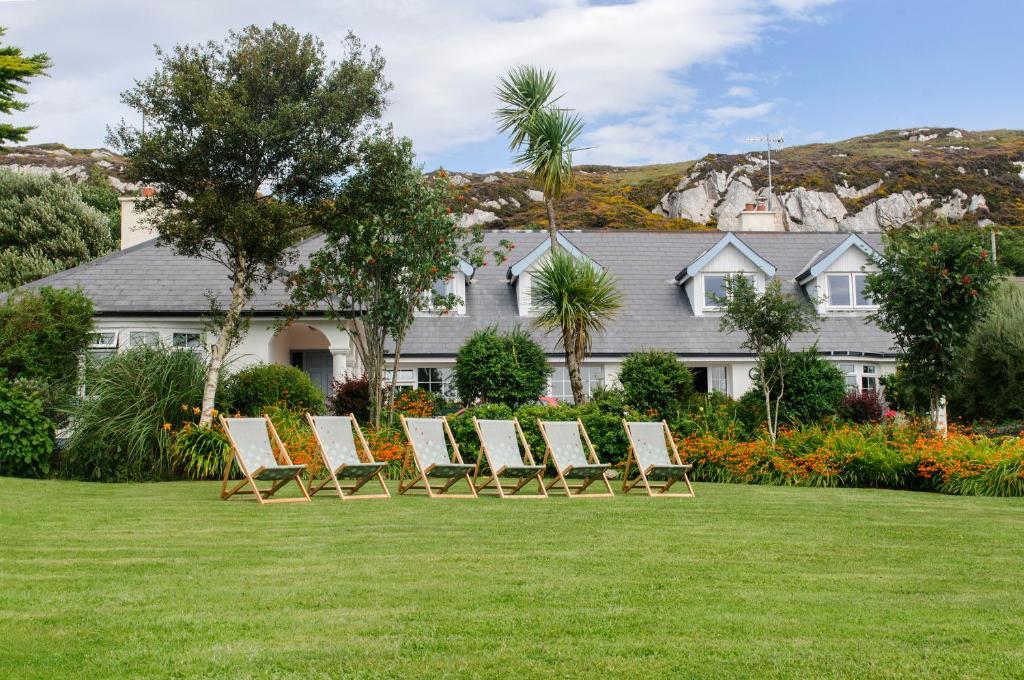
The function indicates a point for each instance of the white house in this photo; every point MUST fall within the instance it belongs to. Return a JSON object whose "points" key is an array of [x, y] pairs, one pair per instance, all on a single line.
{"points": [[146, 294]]}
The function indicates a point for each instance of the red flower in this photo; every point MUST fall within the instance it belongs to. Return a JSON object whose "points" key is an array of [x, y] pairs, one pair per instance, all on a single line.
{"points": [[966, 280]]}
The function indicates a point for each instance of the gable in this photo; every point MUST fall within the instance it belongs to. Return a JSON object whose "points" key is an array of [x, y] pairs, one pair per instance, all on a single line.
{"points": [[728, 242]]}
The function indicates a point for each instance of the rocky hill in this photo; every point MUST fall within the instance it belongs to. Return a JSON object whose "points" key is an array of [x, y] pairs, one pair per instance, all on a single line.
{"points": [[866, 183]]}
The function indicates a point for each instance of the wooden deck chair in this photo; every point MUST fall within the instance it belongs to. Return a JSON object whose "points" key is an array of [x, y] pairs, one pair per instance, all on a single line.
{"points": [[336, 441], [565, 448], [428, 459], [251, 449], [649, 449], [499, 445]]}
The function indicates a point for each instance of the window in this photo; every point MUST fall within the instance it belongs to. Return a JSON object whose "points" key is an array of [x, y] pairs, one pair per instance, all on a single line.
{"points": [[190, 341], [436, 380], [847, 291], [147, 338], [718, 379], [441, 288], [714, 287], [868, 378], [860, 377], [561, 389], [405, 380], [102, 346]]}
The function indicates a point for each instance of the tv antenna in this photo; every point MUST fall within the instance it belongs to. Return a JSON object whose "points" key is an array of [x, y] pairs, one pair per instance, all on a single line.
{"points": [[769, 140]]}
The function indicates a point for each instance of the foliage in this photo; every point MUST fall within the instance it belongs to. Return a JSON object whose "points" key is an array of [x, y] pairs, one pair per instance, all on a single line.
{"points": [[814, 387], [389, 238], [298, 439], [351, 395], [931, 290], [656, 382], [254, 388], [26, 434], [16, 70], [138, 399], [42, 335], [862, 406], [506, 368], [1010, 249], [992, 386], [767, 321], [242, 139], [200, 452], [902, 394], [576, 298], [97, 192], [46, 227], [712, 413]]}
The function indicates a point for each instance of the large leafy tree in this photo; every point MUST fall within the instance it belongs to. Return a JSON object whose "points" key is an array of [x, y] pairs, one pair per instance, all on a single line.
{"points": [[541, 134], [767, 321], [389, 237], [931, 289], [575, 298], [16, 69], [45, 227], [242, 140]]}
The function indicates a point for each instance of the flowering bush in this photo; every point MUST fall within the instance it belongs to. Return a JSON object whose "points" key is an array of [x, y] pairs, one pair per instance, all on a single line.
{"points": [[862, 406], [351, 395], [297, 438], [200, 452], [415, 404]]}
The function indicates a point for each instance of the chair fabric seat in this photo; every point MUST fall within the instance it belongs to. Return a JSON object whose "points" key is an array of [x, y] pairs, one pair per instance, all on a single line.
{"points": [[448, 470], [358, 471], [663, 472], [279, 472], [585, 471], [519, 471]]}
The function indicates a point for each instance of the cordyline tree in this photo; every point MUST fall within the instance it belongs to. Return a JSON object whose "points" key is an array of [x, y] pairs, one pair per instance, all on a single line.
{"points": [[931, 289], [242, 139], [16, 70], [541, 134], [768, 321], [389, 238]]}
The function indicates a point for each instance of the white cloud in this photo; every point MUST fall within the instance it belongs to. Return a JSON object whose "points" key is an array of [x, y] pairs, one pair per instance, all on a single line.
{"points": [[740, 91], [622, 66]]}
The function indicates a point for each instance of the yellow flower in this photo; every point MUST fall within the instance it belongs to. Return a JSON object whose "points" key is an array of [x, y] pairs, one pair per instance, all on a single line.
{"points": [[196, 410], [213, 413], [167, 426]]}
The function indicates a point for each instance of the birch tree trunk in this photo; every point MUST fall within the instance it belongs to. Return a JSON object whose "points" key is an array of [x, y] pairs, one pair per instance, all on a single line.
{"points": [[220, 349], [939, 416]]}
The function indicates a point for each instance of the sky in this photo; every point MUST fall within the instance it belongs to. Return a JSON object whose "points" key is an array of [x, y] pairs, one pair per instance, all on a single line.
{"points": [[654, 80]]}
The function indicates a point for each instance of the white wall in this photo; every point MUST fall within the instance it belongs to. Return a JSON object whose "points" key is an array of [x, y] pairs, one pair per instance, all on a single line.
{"points": [[729, 261], [133, 229]]}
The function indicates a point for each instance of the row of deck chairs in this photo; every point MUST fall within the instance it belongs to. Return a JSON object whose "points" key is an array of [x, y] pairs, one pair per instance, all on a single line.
{"points": [[435, 465]]}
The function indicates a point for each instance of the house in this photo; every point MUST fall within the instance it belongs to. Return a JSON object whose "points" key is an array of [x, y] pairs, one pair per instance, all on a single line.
{"points": [[145, 294]]}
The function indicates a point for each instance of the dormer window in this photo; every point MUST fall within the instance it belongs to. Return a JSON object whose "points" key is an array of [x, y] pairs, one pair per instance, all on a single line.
{"points": [[704, 278], [715, 288], [441, 289], [520, 274], [846, 291]]}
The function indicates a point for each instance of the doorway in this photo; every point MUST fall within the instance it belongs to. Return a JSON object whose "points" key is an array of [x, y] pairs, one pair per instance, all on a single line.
{"points": [[318, 364]]}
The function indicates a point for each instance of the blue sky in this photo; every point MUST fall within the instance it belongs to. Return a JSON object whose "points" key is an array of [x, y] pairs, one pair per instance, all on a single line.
{"points": [[656, 80]]}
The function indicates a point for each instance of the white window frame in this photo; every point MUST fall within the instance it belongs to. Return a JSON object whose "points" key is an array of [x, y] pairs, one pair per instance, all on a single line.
{"points": [[142, 331], [447, 390], [593, 376], [851, 280], [720, 382], [714, 307], [199, 339], [858, 373], [100, 346], [428, 295]]}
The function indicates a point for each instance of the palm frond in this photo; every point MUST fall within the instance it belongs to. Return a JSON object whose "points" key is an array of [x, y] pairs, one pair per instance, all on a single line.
{"points": [[552, 133], [524, 91], [574, 297]]}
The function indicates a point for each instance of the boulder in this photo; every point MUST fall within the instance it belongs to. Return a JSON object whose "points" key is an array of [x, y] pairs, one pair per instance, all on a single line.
{"points": [[458, 180], [813, 210], [846, 191], [695, 204], [490, 179], [977, 203], [955, 134], [737, 196], [476, 217], [534, 195]]}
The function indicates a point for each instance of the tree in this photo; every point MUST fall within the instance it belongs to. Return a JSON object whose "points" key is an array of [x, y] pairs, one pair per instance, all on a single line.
{"points": [[389, 237], [503, 368], [931, 289], [576, 298], [242, 141], [814, 387], [992, 387], [541, 134], [16, 70], [45, 227], [656, 381], [768, 321]]}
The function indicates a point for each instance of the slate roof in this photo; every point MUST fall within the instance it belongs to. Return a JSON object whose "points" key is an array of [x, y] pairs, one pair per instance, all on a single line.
{"points": [[150, 280]]}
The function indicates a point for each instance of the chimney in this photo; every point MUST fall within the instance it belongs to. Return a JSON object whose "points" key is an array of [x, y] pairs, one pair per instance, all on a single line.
{"points": [[134, 230]]}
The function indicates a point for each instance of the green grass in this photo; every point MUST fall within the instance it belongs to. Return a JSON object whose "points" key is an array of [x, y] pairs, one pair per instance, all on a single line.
{"points": [[164, 580]]}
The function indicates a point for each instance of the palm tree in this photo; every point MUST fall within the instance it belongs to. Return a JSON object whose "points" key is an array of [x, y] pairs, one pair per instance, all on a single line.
{"points": [[576, 298], [541, 134]]}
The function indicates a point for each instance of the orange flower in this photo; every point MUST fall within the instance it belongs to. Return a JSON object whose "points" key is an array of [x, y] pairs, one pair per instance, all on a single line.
{"points": [[167, 426]]}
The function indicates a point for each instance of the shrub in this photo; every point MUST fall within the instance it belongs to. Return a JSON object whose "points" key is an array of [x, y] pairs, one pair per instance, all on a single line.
{"points": [[200, 452], [505, 368], [862, 406], [138, 398], [711, 413], [253, 389], [656, 383], [42, 335], [813, 389], [464, 433], [26, 434], [415, 403], [351, 395], [298, 439]]}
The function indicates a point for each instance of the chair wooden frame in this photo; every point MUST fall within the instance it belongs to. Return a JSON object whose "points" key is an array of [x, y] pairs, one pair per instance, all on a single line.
{"points": [[575, 490], [264, 496], [512, 491], [659, 489], [347, 492], [413, 471]]}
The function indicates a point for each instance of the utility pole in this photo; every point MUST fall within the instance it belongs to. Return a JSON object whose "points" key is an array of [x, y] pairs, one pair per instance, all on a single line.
{"points": [[768, 140]]}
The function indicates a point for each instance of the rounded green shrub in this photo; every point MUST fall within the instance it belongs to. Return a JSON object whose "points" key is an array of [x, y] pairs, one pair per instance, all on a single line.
{"points": [[656, 383], [504, 368], [26, 434], [253, 389], [814, 389]]}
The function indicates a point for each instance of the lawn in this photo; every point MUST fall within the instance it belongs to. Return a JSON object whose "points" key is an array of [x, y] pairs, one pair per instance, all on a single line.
{"points": [[147, 580]]}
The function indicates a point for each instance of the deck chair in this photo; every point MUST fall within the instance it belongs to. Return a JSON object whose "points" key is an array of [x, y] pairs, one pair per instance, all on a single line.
{"points": [[336, 441], [251, 449], [428, 459], [499, 445], [565, 448], [649, 451]]}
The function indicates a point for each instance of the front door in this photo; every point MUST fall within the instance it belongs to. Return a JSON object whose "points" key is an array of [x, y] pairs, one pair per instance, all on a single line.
{"points": [[318, 364]]}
